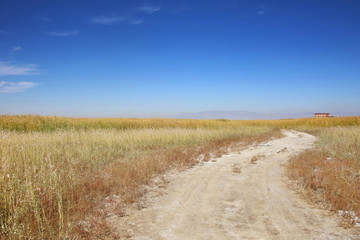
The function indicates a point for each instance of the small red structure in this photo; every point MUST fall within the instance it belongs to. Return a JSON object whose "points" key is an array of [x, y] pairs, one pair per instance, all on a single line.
{"points": [[322, 115]]}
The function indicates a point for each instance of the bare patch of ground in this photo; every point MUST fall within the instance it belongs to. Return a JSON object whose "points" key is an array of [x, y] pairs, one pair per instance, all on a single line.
{"points": [[239, 196]]}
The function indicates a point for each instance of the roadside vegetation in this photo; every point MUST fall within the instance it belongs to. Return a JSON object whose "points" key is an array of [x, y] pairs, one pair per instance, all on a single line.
{"points": [[54, 182], [330, 172], [59, 175]]}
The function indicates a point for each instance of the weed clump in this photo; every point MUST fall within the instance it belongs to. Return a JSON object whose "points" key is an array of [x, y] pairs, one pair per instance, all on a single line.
{"points": [[330, 171]]}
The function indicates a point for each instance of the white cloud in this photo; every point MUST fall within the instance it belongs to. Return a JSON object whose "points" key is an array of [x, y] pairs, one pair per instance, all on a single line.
{"points": [[15, 49], [111, 20], [64, 34], [149, 9], [7, 69], [260, 12], [11, 87], [107, 20]]}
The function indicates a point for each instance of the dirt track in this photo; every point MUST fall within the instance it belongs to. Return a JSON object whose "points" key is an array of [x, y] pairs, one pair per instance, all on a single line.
{"points": [[236, 198]]}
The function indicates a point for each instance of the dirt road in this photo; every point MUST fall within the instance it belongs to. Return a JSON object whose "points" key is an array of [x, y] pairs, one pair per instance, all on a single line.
{"points": [[236, 197]]}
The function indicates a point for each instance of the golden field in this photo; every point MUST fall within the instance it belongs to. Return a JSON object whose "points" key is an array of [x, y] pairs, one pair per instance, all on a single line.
{"points": [[28, 123], [51, 180], [331, 171], [55, 172]]}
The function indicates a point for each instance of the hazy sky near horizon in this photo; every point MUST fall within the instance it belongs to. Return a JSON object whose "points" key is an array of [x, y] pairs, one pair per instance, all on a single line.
{"points": [[152, 58]]}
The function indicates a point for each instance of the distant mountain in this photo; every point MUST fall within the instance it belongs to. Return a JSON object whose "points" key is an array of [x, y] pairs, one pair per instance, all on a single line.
{"points": [[246, 115], [231, 115], [344, 114]]}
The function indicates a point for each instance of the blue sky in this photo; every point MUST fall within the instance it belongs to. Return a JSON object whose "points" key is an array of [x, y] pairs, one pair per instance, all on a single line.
{"points": [[156, 58]]}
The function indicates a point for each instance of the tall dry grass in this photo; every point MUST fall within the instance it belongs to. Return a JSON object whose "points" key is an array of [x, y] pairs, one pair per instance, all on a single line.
{"points": [[28, 123], [331, 171], [55, 172], [51, 181]]}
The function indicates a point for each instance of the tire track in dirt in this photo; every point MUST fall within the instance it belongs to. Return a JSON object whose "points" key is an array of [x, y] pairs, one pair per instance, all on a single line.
{"points": [[235, 198]]}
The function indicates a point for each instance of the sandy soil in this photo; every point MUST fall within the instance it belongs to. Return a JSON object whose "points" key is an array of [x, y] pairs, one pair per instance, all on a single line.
{"points": [[239, 196]]}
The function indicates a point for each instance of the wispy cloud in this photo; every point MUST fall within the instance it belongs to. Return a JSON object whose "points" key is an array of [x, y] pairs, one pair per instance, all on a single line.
{"points": [[107, 20], [45, 19], [2, 33], [257, 11], [111, 20], [16, 49], [12, 87], [261, 10], [8, 69], [63, 33], [136, 21], [149, 9]]}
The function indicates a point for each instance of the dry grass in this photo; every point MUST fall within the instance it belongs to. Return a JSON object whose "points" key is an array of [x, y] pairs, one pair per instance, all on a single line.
{"points": [[331, 171], [255, 158], [236, 168], [51, 182], [56, 172], [27, 123]]}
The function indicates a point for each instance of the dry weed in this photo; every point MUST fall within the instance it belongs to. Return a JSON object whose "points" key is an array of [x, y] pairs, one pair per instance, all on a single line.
{"points": [[236, 168], [255, 158], [332, 168], [54, 184]]}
